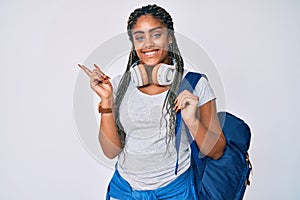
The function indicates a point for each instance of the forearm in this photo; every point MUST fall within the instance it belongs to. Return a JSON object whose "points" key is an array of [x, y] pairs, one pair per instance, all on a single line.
{"points": [[108, 135], [210, 142]]}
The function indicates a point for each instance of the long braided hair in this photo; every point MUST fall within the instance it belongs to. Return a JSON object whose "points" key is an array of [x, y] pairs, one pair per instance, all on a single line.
{"points": [[173, 51]]}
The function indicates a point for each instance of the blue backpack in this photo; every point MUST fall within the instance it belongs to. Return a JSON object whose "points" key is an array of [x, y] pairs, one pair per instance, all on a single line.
{"points": [[227, 177]]}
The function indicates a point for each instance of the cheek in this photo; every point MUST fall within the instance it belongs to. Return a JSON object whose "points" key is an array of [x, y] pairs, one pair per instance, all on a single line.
{"points": [[137, 45], [162, 43]]}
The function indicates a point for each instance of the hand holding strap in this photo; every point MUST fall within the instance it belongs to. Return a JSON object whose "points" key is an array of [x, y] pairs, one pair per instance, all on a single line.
{"points": [[189, 83]]}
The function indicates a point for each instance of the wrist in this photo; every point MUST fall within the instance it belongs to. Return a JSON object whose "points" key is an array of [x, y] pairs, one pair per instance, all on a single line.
{"points": [[193, 125], [106, 103], [102, 109]]}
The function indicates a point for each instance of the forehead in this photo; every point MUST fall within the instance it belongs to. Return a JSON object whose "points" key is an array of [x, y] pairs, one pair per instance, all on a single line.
{"points": [[148, 22]]}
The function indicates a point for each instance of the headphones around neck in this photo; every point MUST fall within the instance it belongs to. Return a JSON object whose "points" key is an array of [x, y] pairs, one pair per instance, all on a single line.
{"points": [[161, 74]]}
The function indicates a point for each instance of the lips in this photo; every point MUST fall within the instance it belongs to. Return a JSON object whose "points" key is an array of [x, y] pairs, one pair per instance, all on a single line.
{"points": [[150, 53]]}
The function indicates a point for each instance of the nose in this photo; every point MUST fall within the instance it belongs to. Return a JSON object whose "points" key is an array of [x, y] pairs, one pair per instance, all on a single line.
{"points": [[148, 42]]}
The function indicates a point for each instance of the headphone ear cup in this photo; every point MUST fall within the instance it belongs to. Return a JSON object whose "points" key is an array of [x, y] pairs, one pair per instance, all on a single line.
{"points": [[139, 75], [155, 73], [163, 74], [143, 74]]}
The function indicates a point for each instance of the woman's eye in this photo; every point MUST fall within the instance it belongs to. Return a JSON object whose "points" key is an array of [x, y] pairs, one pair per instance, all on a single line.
{"points": [[156, 35], [139, 38]]}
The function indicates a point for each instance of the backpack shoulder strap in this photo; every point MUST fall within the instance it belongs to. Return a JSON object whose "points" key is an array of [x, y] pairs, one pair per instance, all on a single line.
{"points": [[189, 83]]}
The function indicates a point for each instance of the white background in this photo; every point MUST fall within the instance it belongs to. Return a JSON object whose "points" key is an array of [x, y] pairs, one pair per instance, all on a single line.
{"points": [[253, 44]]}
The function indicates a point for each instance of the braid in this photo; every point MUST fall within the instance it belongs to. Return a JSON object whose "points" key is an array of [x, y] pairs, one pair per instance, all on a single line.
{"points": [[123, 85], [173, 51]]}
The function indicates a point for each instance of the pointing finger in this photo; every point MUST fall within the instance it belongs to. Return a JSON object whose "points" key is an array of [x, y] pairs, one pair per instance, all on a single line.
{"points": [[98, 68], [86, 70]]}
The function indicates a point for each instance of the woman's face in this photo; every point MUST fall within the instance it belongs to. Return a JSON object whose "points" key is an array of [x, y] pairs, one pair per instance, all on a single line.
{"points": [[150, 39]]}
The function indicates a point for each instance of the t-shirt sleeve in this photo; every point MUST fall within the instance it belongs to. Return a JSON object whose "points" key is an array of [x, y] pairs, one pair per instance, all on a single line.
{"points": [[204, 91], [115, 83]]}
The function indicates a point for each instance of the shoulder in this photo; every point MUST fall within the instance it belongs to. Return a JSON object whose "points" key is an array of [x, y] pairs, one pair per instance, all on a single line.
{"points": [[203, 89], [203, 80], [115, 81]]}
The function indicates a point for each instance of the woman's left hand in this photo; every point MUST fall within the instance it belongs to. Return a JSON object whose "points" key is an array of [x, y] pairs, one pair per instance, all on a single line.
{"points": [[188, 104]]}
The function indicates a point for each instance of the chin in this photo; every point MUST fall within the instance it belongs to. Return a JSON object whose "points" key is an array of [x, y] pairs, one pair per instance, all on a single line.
{"points": [[150, 63]]}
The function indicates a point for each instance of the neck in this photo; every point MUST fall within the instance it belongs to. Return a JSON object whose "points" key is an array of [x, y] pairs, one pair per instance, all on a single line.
{"points": [[153, 89]]}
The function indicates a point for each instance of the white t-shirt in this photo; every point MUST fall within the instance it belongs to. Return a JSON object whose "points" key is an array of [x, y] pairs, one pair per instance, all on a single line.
{"points": [[147, 162]]}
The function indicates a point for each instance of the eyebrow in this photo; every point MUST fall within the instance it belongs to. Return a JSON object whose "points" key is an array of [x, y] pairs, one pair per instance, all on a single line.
{"points": [[151, 30]]}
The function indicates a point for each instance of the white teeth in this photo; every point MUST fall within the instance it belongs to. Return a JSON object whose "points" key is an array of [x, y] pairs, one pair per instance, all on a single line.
{"points": [[150, 53]]}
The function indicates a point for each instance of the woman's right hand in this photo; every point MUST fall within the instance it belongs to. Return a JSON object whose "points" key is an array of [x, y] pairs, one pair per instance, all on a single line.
{"points": [[100, 83]]}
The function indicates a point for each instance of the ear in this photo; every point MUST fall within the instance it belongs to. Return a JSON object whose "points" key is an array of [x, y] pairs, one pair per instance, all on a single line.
{"points": [[133, 50], [170, 40]]}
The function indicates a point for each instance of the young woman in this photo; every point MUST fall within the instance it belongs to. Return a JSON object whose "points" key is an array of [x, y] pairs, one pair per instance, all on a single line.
{"points": [[138, 120]]}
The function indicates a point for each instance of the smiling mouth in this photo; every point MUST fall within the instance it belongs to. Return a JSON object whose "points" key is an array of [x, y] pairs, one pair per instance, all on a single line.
{"points": [[150, 53]]}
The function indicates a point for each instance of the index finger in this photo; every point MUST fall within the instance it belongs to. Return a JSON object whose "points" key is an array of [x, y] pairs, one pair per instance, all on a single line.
{"points": [[86, 70]]}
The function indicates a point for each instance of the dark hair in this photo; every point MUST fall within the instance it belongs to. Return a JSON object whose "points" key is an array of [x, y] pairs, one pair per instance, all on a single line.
{"points": [[173, 51]]}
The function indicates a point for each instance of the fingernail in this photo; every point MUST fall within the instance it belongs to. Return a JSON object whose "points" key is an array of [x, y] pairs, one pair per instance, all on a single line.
{"points": [[176, 108]]}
